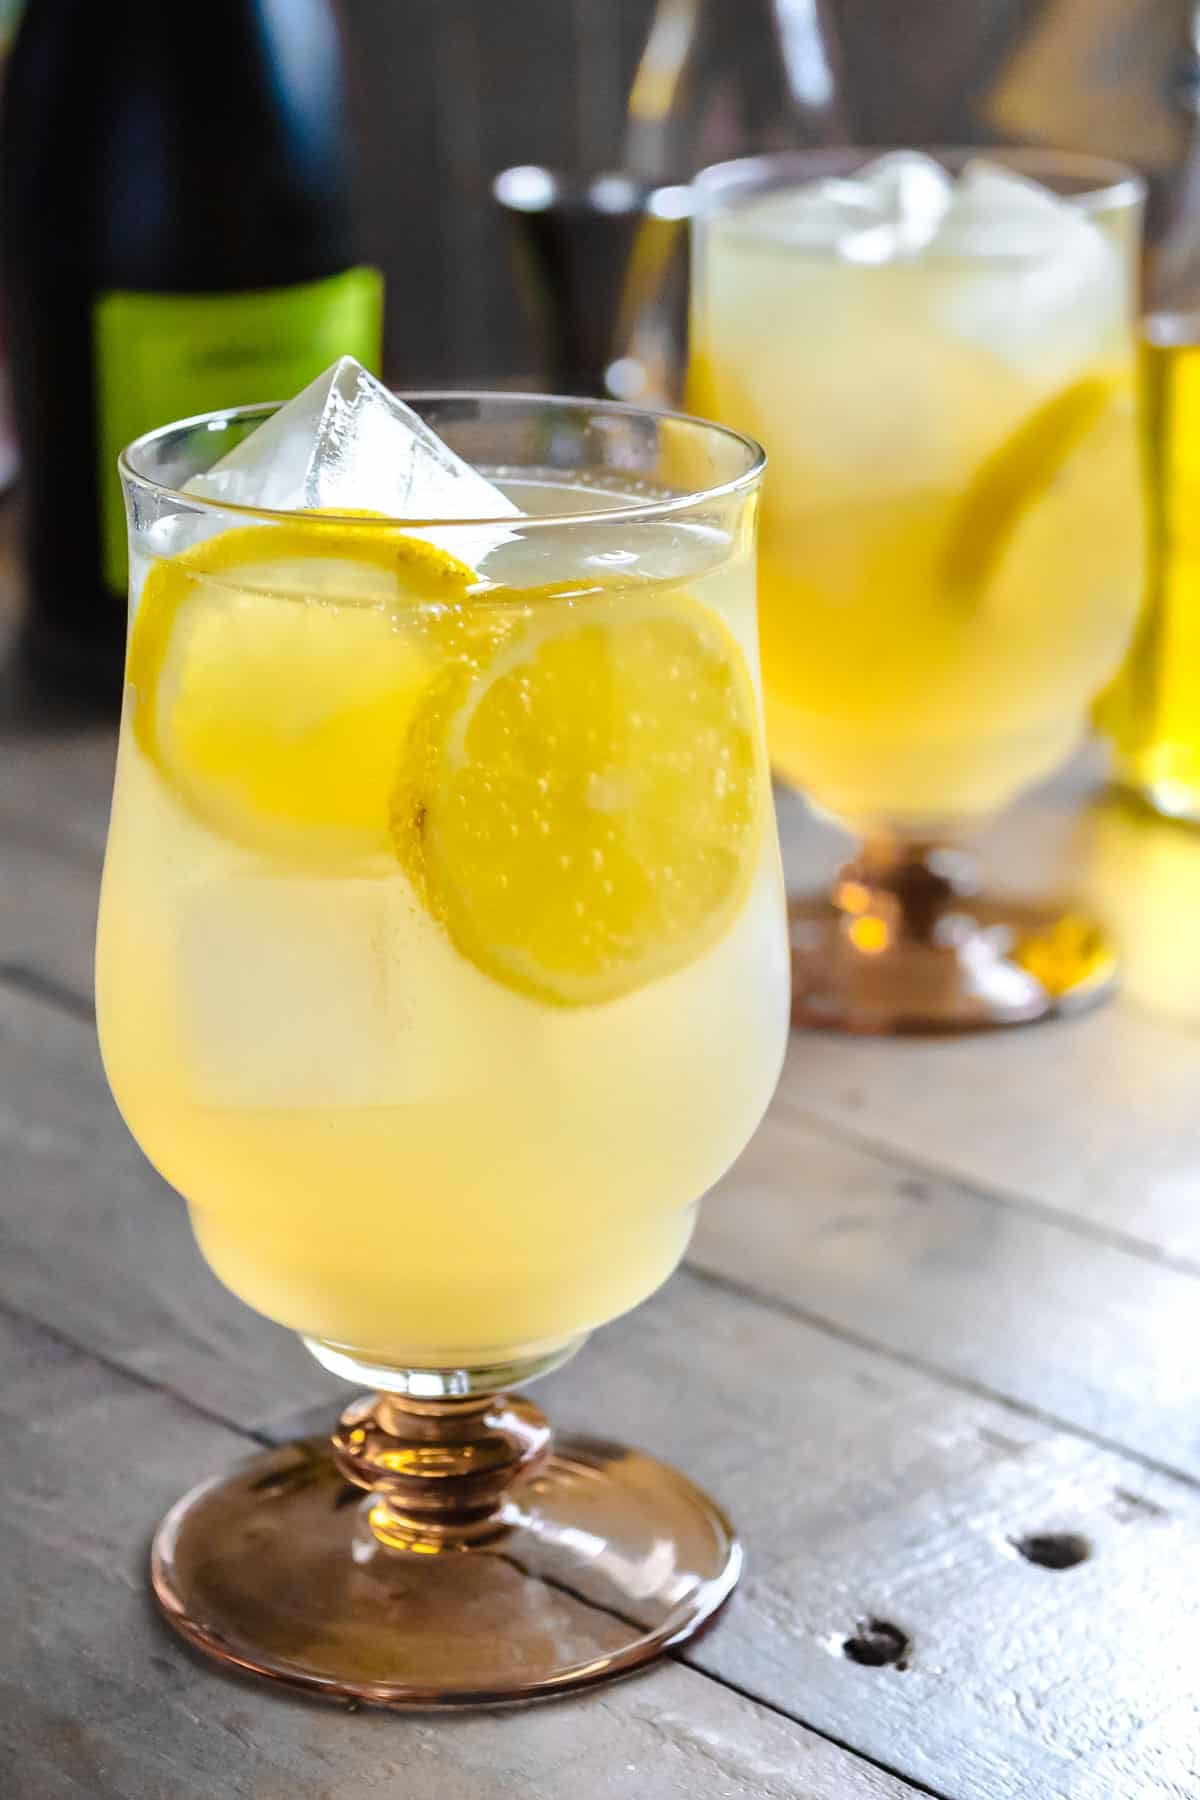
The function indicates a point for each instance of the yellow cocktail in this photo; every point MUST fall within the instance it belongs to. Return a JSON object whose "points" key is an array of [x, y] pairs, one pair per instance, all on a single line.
{"points": [[942, 373], [441, 961], [442, 966]]}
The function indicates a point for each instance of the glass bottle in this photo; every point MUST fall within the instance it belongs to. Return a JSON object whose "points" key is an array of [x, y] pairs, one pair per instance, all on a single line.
{"points": [[188, 243], [724, 78], [1151, 711]]}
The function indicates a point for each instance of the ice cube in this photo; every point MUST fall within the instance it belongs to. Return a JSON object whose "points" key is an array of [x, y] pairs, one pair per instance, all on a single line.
{"points": [[346, 442], [283, 998], [890, 208], [817, 216], [1047, 291], [912, 194], [997, 212], [311, 993]]}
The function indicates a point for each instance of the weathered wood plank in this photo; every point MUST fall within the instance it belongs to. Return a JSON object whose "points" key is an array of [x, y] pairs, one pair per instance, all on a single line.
{"points": [[837, 1460], [94, 1245], [1064, 1324], [99, 1701], [47, 919], [1020, 1681], [55, 787], [868, 1491], [1093, 1119], [890, 1499]]}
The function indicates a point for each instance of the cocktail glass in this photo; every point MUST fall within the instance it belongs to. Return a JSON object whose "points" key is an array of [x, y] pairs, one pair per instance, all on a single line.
{"points": [[441, 968], [951, 543]]}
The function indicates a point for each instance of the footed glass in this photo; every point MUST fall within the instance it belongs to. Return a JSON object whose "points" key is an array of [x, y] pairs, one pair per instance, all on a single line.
{"points": [[442, 967], [952, 536]]}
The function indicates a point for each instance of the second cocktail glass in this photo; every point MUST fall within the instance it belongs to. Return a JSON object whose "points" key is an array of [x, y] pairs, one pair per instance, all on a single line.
{"points": [[442, 964], [943, 377]]}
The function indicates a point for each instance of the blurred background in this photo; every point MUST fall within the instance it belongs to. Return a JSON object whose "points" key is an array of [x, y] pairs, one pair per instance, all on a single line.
{"points": [[515, 174], [451, 91]]}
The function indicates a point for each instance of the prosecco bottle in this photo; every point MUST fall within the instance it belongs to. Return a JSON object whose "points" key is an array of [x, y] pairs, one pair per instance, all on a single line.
{"points": [[176, 235]]}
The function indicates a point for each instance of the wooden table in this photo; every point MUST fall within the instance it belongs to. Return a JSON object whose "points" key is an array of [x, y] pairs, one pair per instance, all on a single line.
{"points": [[936, 1335]]}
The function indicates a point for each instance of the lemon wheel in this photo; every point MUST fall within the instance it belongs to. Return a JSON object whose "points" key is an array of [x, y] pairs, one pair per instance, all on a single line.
{"points": [[274, 670], [582, 813]]}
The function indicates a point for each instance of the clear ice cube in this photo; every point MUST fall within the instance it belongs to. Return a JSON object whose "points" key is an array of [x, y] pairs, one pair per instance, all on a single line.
{"points": [[1048, 290], [912, 193], [311, 993], [997, 212], [283, 998], [346, 442], [892, 207], [817, 216]]}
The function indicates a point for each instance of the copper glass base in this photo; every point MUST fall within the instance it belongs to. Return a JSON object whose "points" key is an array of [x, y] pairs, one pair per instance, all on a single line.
{"points": [[484, 1564], [905, 944]]}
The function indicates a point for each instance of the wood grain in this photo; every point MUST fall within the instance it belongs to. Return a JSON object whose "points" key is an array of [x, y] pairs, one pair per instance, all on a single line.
{"points": [[1093, 1119], [55, 786], [96, 1247], [99, 1699], [865, 1487], [1065, 1324], [911, 1335]]}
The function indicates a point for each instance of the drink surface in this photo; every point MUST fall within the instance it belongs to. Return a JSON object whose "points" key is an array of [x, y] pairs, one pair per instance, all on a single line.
{"points": [[1152, 710], [951, 534], [441, 961]]}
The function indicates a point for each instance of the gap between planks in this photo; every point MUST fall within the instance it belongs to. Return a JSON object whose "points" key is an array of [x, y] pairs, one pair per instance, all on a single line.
{"points": [[835, 1132], [963, 1384], [834, 1730], [136, 1378]]}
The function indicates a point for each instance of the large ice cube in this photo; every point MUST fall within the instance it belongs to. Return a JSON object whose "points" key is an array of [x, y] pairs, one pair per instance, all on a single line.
{"points": [[817, 216], [346, 442], [998, 212], [312, 993], [1042, 286], [912, 195], [891, 207]]}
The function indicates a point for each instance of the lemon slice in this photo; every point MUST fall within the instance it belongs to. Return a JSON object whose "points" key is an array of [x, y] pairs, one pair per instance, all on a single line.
{"points": [[275, 670], [1014, 476], [582, 812]]}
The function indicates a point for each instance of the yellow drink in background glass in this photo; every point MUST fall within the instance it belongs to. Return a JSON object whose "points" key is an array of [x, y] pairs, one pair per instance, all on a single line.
{"points": [[442, 961], [951, 541]]}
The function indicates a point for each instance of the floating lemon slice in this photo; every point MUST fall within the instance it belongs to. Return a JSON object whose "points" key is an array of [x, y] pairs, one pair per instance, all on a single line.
{"points": [[1014, 476], [582, 812], [275, 671]]}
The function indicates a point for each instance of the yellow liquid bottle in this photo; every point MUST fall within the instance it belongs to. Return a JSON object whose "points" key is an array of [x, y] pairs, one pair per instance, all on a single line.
{"points": [[1152, 710]]}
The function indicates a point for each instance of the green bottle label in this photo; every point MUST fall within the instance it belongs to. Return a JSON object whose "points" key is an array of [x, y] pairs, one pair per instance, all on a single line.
{"points": [[161, 357]]}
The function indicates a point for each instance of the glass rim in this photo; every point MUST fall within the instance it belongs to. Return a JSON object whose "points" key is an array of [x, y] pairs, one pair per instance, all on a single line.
{"points": [[1116, 184], [743, 482]]}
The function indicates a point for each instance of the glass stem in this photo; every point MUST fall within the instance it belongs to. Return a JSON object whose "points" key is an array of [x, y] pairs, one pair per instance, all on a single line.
{"points": [[440, 1470], [900, 889]]}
